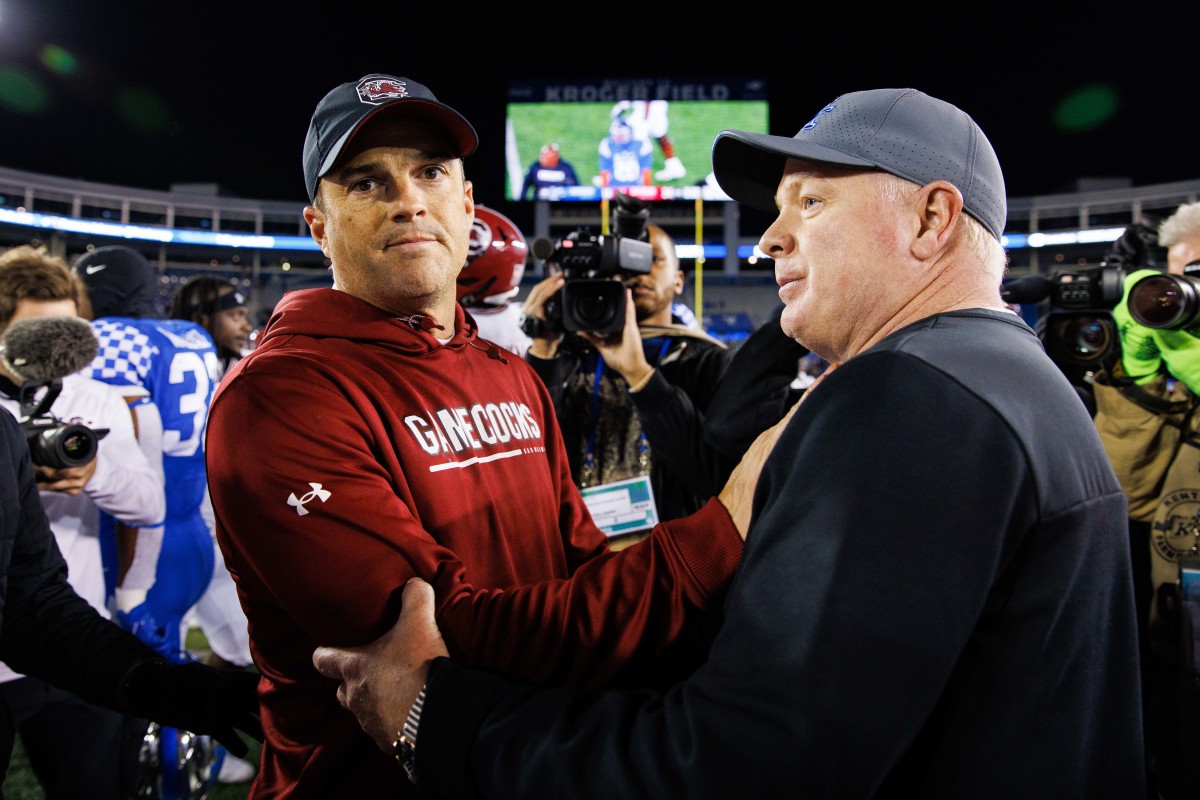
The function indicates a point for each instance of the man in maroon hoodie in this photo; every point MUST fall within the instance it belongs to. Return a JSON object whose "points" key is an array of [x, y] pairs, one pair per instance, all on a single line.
{"points": [[372, 437]]}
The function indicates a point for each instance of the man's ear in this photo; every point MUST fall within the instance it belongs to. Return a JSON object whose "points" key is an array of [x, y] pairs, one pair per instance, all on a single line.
{"points": [[315, 218], [939, 205]]}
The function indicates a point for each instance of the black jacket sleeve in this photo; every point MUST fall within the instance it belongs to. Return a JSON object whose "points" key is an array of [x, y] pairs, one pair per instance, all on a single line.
{"points": [[672, 408], [48, 631], [884, 585], [755, 393], [554, 372]]}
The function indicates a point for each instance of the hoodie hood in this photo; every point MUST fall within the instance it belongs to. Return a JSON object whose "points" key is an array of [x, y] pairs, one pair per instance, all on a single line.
{"points": [[330, 313]]}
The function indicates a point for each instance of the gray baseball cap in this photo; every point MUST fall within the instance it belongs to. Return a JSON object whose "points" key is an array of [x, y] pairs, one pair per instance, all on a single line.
{"points": [[346, 108], [901, 131]]}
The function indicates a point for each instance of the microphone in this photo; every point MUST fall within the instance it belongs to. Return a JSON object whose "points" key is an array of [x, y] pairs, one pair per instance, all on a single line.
{"points": [[1030, 289], [543, 248], [44, 349]]}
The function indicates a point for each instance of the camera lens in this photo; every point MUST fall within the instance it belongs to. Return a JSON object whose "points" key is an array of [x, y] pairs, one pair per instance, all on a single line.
{"points": [[62, 447], [597, 306], [1085, 337], [1165, 301], [593, 310]]}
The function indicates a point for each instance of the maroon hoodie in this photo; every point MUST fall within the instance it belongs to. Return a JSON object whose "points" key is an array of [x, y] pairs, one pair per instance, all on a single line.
{"points": [[351, 451]]}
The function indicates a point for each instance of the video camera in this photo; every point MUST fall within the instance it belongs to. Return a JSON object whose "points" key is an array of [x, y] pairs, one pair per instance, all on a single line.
{"points": [[590, 300], [53, 442], [1079, 332]]}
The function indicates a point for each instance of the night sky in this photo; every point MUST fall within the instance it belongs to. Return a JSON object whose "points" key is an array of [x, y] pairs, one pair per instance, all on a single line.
{"points": [[148, 94]]}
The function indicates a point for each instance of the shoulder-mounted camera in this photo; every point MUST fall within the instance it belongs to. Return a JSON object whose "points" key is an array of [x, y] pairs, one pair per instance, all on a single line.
{"points": [[1079, 332], [590, 299]]}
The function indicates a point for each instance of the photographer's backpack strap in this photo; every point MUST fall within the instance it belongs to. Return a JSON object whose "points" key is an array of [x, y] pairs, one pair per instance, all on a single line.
{"points": [[1142, 429]]}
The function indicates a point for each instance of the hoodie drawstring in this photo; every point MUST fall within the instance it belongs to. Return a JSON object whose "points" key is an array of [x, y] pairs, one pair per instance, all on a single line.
{"points": [[492, 350], [426, 323], [422, 322]]}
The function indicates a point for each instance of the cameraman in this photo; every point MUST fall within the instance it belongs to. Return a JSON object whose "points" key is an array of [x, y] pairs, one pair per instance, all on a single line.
{"points": [[48, 630], [73, 745], [1147, 415], [633, 404]]}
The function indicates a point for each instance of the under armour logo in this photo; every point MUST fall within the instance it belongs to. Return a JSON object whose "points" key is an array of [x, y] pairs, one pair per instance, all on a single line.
{"points": [[318, 492]]}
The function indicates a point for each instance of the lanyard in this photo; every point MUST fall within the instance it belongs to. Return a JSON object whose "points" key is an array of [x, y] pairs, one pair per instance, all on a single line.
{"points": [[589, 463]]}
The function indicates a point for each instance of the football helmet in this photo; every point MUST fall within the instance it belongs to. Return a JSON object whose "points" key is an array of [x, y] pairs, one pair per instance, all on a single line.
{"points": [[620, 130], [495, 260]]}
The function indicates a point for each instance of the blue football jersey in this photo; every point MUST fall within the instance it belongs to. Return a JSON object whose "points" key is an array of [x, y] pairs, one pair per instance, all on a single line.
{"points": [[625, 161], [176, 362]]}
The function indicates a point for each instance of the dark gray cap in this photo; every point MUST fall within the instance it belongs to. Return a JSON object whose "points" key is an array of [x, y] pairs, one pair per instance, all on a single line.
{"points": [[343, 111], [901, 131], [120, 281]]}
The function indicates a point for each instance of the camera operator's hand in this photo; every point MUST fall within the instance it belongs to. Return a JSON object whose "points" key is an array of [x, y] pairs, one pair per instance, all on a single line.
{"points": [[544, 345], [68, 480], [198, 698], [1140, 354], [624, 353]]}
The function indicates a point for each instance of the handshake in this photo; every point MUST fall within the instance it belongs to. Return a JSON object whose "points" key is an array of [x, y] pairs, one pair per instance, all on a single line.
{"points": [[1146, 351], [195, 697], [189, 695]]}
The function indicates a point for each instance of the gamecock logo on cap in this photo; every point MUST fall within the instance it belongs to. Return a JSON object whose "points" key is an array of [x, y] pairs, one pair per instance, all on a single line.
{"points": [[379, 89]]}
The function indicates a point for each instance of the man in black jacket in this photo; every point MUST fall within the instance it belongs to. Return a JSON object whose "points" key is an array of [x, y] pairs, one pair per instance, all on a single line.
{"points": [[50, 632], [935, 596], [631, 405]]}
